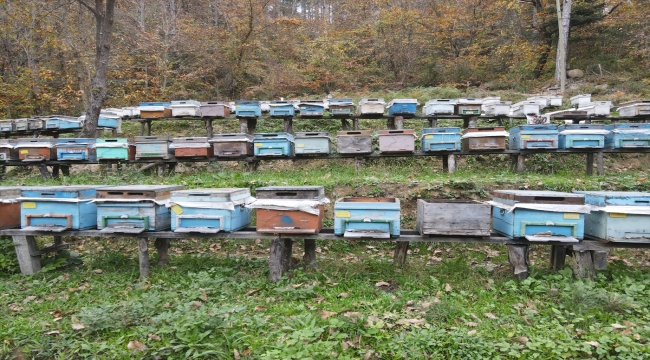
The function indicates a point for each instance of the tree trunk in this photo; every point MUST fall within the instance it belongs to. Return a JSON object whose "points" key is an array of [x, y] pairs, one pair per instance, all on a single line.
{"points": [[103, 12], [562, 52]]}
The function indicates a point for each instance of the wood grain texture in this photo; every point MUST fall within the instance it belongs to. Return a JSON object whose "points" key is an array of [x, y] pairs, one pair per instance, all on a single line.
{"points": [[25, 247], [583, 264], [518, 258], [143, 256]]}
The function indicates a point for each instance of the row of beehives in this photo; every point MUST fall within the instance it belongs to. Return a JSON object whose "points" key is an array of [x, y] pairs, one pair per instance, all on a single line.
{"points": [[490, 106], [358, 142], [534, 215], [55, 122]]}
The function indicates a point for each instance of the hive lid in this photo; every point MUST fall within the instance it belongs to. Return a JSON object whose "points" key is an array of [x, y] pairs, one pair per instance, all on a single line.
{"points": [[131, 192], [469, 101], [307, 135], [55, 192], [291, 192], [403, 101], [372, 101], [538, 197], [213, 195], [231, 137], [483, 129], [622, 198], [441, 101], [396, 132], [581, 127], [354, 133], [190, 140], [9, 192], [153, 138], [214, 103], [441, 130]]}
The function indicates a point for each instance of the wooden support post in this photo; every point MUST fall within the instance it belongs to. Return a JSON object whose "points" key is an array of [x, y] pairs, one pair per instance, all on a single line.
{"points": [[208, 128], [599, 259], [558, 257], [358, 162], [142, 127], [287, 251], [513, 163], [149, 127], [25, 246], [162, 247], [55, 171], [398, 123], [445, 162], [252, 165], [345, 124], [510, 122], [275, 259], [171, 167], [518, 258], [65, 169], [309, 258], [45, 173], [143, 255], [243, 126], [583, 264], [401, 250], [161, 169], [3, 172], [433, 122], [355, 124], [251, 124], [465, 123], [288, 125], [451, 163], [600, 161], [521, 163], [590, 164], [473, 121], [58, 242]]}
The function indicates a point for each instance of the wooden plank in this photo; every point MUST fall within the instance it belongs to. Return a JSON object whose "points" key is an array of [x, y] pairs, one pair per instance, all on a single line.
{"points": [[287, 251], [208, 128], [275, 259], [521, 163], [600, 259], [558, 257], [143, 256], [162, 247], [518, 258], [25, 247], [451, 163], [590, 164], [309, 258], [600, 160], [583, 264], [399, 123]]}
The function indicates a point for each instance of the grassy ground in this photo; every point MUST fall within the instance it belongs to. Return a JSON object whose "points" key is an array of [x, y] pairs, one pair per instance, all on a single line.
{"points": [[215, 300]]}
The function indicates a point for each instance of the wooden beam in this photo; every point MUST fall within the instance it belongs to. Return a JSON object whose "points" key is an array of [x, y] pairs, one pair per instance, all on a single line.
{"points": [[275, 259], [600, 160], [162, 248], [558, 257], [600, 259], [590, 164]]}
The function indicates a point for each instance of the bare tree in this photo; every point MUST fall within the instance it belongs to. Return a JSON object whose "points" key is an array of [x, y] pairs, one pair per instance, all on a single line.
{"points": [[103, 12]]}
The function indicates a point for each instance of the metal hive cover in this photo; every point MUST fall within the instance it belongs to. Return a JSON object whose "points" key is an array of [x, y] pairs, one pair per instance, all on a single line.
{"points": [[144, 188], [225, 193], [291, 192], [539, 197]]}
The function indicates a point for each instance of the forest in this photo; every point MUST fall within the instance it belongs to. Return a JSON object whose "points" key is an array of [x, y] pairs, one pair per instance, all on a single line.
{"points": [[266, 49]]}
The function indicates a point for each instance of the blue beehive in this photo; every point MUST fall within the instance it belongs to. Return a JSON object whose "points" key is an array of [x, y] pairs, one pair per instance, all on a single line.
{"points": [[402, 107], [210, 210], [273, 144], [618, 216], [157, 147], [108, 121], [58, 208], [313, 143], [367, 217], [311, 109], [6, 126], [115, 149], [62, 122], [580, 136], [628, 135], [533, 137], [440, 139], [76, 149], [281, 109], [249, 109], [134, 209], [539, 215]]}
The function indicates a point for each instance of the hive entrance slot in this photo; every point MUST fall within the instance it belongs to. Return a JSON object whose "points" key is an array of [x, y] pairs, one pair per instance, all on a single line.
{"points": [[286, 193], [548, 198], [642, 201], [47, 194]]}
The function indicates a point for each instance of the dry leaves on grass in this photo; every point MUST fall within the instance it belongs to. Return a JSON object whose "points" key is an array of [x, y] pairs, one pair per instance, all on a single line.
{"points": [[520, 339], [617, 326], [409, 322], [342, 295], [196, 304], [382, 283], [154, 337], [325, 314], [78, 326], [490, 316], [592, 343], [447, 287], [136, 345]]}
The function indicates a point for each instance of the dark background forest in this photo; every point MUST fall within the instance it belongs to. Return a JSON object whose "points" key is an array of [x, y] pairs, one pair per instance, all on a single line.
{"points": [[265, 49]]}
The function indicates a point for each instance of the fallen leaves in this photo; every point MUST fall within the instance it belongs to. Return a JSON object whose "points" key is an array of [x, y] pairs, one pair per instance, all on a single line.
{"points": [[15, 307], [55, 332], [447, 287], [592, 343], [617, 326], [381, 283], [408, 322], [154, 337], [78, 326], [324, 314], [253, 292], [472, 324], [98, 271], [136, 345], [490, 316], [342, 295], [196, 304], [520, 339]]}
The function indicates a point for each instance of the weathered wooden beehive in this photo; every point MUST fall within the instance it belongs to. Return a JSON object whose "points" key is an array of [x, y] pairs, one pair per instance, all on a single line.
{"points": [[618, 216], [273, 144], [468, 106], [597, 108], [155, 110], [439, 107], [543, 136], [58, 208], [215, 109], [6, 126], [371, 107], [483, 138], [134, 208], [367, 217], [440, 139], [290, 209], [35, 124], [8, 150], [194, 147], [182, 108], [581, 136], [580, 99], [354, 142], [634, 108], [62, 122], [210, 210], [77, 149], [396, 141], [232, 145], [281, 109], [36, 149], [9, 207], [403, 107], [153, 147], [539, 215], [627, 135], [496, 108], [342, 108], [20, 124], [453, 217], [311, 108], [115, 149], [313, 143]]}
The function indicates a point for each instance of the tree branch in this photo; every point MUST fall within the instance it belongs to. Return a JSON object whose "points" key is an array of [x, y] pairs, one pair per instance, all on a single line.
{"points": [[91, 9]]}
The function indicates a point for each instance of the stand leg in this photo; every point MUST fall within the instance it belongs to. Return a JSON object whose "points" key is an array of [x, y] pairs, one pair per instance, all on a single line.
{"points": [[25, 247], [445, 162], [451, 163], [287, 250], [243, 126], [345, 124], [583, 264], [401, 250], [55, 171], [45, 173], [558, 257], [162, 247], [600, 260], [518, 257], [252, 166], [149, 127], [521, 163], [143, 255], [433, 123], [251, 124], [600, 160], [590, 164], [275, 259], [309, 258], [355, 124], [142, 128], [208, 128], [398, 122], [288, 125]]}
